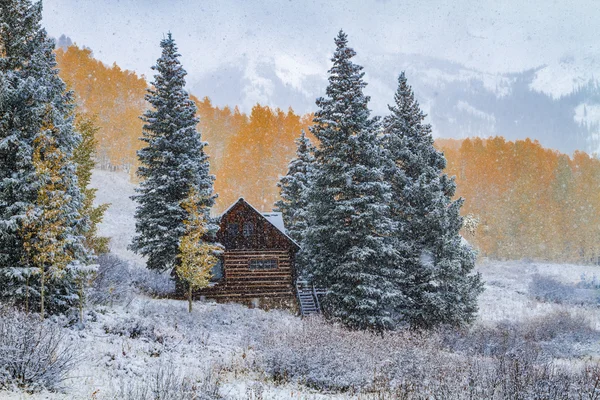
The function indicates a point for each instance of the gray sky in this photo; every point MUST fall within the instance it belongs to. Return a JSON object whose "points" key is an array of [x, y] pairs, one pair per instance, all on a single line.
{"points": [[297, 36]]}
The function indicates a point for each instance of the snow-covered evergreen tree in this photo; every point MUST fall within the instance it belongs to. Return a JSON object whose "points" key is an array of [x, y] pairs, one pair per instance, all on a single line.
{"points": [[294, 188], [347, 203], [36, 108], [172, 163], [436, 268]]}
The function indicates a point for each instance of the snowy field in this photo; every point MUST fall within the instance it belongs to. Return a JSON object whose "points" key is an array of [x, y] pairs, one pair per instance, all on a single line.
{"points": [[140, 345], [229, 349]]}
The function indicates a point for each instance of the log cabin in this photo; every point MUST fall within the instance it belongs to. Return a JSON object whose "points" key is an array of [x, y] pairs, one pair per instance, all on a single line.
{"points": [[257, 264]]}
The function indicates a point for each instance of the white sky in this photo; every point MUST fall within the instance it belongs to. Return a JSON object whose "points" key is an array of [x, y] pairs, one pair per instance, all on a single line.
{"points": [[492, 36]]}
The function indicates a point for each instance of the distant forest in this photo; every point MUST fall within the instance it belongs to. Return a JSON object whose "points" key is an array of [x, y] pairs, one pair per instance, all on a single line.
{"points": [[529, 201]]}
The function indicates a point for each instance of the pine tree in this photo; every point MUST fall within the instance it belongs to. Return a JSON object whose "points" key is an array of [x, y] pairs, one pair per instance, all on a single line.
{"points": [[294, 187], [172, 163], [436, 279], [347, 203], [36, 122], [197, 256]]}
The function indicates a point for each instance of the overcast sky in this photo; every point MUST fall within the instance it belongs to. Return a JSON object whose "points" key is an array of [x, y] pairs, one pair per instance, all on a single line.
{"points": [[297, 36]]}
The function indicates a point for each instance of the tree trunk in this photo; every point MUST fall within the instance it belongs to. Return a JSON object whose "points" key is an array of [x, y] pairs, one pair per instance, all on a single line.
{"points": [[81, 303], [42, 294], [27, 295], [190, 298]]}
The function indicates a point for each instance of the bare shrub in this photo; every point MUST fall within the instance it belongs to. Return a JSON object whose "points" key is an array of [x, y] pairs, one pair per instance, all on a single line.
{"points": [[112, 282], [589, 282], [547, 289], [503, 361], [329, 357], [165, 383], [133, 328], [560, 325], [116, 282], [556, 334], [34, 354], [152, 283]]}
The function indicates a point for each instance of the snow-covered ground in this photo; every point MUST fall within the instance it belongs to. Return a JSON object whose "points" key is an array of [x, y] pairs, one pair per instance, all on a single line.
{"points": [[218, 347], [507, 293], [118, 224]]}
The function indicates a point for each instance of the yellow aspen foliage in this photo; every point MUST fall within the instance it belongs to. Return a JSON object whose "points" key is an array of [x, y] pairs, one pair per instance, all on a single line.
{"points": [[44, 230], [248, 152], [196, 256], [529, 201], [84, 157]]}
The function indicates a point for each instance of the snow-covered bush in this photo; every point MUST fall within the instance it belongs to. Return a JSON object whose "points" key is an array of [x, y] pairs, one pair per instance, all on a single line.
{"points": [[132, 328], [166, 383], [116, 282], [547, 289], [508, 360], [558, 334], [34, 354], [151, 283], [112, 283], [589, 282], [329, 357]]}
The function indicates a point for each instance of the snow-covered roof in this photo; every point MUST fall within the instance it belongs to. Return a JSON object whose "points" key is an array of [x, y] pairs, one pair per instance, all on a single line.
{"points": [[274, 218]]}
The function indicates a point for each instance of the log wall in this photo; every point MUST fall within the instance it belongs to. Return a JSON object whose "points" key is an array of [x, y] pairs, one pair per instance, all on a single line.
{"points": [[241, 282]]}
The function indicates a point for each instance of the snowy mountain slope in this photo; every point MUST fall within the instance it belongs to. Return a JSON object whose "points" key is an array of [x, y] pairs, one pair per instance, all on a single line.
{"points": [[541, 103]]}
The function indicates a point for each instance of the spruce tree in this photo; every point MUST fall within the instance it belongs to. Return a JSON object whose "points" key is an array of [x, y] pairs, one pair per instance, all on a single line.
{"points": [[294, 188], [172, 163], [436, 268], [36, 120], [347, 203]]}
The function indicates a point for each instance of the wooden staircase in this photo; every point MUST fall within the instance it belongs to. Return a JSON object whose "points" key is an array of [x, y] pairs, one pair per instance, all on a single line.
{"points": [[308, 298]]}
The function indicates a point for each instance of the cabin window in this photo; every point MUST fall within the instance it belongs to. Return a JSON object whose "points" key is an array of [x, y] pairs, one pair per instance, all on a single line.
{"points": [[248, 229], [232, 229], [217, 271], [258, 263]]}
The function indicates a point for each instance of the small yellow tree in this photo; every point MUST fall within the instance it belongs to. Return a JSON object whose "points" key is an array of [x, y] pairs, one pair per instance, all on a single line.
{"points": [[84, 158], [196, 256], [44, 229]]}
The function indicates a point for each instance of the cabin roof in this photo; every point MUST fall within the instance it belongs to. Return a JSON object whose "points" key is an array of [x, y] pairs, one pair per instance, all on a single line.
{"points": [[276, 218], [273, 218]]}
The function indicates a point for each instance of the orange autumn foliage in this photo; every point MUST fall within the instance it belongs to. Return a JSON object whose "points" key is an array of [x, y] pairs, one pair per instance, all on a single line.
{"points": [[248, 152], [115, 96], [531, 202]]}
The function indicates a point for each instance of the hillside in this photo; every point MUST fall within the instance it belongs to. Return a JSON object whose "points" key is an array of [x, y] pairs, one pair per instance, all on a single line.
{"points": [[116, 188]]}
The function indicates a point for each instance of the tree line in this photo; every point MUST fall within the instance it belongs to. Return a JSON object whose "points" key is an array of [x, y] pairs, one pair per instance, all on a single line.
{"points": [[528, 201], [48, 238], [262, 142]]}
